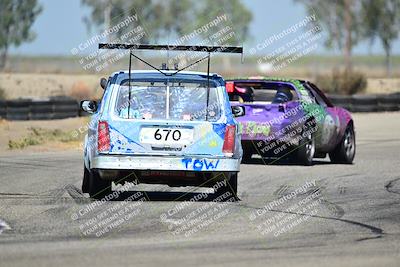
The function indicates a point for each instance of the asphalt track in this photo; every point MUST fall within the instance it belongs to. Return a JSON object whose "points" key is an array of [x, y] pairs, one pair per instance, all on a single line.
{"points": [[344, 215]]}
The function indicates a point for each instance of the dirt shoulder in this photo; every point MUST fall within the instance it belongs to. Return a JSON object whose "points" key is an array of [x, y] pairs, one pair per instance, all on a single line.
{"points": [[37, 85], [40, 136]]}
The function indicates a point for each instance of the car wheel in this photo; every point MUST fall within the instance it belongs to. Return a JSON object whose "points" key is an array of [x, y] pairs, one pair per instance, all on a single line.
{"points": [[231, 186], [85, 181], [306, 150], [247, 151], [98, 188], [345, 151], [246, 156]]}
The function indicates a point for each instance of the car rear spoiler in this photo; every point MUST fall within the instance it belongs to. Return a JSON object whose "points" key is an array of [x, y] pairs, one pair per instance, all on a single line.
{"points": [[197, 48]]}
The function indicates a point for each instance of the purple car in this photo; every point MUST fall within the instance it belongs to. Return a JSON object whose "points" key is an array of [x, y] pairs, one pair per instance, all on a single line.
{"points": [[285, 118]]}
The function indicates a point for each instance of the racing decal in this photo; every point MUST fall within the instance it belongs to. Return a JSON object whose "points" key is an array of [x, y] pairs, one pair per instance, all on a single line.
{"points": [[200, 164], [213, 143], [328, 129], [219, 129], [253, 128], [121, 141]]}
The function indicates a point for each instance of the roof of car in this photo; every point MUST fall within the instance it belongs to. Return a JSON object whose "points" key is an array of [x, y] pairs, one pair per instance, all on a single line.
{"points": [[202, 74]]}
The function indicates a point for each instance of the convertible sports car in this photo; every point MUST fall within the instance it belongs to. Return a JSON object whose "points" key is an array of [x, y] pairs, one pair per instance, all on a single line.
{"points": [[292, 119]]}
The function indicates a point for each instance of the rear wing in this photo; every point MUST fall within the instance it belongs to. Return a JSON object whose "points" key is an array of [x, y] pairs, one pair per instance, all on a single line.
{"points": [[197, 48]]}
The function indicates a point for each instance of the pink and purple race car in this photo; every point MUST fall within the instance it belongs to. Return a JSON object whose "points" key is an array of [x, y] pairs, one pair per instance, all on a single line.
{"points": [[287, 118]]}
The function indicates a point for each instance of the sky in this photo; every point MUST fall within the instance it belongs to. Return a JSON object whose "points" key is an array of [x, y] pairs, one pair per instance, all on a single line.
{"points": [[60, 27]]}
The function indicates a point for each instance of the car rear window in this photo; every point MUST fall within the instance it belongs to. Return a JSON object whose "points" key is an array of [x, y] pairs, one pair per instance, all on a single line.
{"points": [[271, 92], [172, 100]]}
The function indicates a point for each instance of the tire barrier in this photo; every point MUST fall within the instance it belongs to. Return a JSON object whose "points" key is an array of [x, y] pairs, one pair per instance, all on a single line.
{"points": [[367, 103], [3, 109], [364, 103], [342, 101], [64, 107], [32, 109]]}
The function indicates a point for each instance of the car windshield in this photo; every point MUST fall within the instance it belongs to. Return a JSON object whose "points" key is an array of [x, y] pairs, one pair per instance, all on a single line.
{"points": [[187, 100], [270, 92]]}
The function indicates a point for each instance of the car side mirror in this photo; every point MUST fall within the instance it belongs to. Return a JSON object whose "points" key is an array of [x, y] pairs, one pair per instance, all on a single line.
{"points": [[103, 83], [89, 106], [238, 111]]}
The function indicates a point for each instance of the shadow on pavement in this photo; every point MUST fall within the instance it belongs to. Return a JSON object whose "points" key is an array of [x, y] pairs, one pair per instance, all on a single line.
{"points": [[280, 162]]}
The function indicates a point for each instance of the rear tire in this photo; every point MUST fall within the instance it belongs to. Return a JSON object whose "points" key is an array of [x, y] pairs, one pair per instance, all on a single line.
{"points": [[306, 150], [345, 151], [231, 186], [247, 151], [98, 188], [85, 181], [246, 156]]}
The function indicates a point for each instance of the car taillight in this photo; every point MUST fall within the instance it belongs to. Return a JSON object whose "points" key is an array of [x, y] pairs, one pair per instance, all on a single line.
{"points": [[103, 137], [229, 140], [230, 87]]}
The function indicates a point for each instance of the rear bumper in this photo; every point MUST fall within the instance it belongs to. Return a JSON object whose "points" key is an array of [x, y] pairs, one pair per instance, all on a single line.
{"points": [[208, 164]]}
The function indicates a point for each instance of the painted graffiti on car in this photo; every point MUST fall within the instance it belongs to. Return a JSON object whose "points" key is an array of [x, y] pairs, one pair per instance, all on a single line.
{"points": [[200, 164], [253, 128]]}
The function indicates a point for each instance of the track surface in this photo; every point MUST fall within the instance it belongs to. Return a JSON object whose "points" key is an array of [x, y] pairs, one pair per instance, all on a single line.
{"points": [[355, 221]]}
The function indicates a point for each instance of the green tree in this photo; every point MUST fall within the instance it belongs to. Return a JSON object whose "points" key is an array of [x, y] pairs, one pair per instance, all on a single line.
{"points": [[168, 20], [381, 19], [171, 18], [16, 20], [340, 19], [238, 17], [158, 18], [177, 18]]}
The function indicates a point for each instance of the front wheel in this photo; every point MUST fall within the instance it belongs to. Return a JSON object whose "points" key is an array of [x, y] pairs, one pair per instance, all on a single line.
{"points": [[345, 151]]}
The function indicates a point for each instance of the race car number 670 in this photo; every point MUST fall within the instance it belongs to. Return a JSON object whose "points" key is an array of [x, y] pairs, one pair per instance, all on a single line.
{"points": [[176, 134]]}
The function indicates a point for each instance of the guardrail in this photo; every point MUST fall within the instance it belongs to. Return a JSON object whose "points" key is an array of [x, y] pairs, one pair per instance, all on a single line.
{"points": [[60, 108]]}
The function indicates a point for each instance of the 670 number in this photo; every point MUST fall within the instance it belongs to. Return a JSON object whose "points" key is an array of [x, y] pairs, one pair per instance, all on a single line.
{"points": [[164, 134]]}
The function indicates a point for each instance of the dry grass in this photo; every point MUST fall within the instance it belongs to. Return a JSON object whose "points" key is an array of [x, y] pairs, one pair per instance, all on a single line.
{"points": [[36, 85], [38, 136], [80, 91], [42, 135], [2, 94]]}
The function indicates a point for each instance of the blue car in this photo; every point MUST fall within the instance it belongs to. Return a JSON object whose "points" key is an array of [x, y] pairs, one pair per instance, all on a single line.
{"points": [[157, 128]]}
